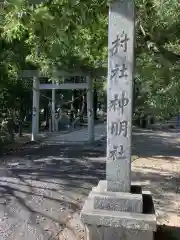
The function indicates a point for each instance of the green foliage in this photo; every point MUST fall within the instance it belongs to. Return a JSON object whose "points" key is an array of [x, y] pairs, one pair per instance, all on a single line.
{"points": [[69, 34], [158, 57]]}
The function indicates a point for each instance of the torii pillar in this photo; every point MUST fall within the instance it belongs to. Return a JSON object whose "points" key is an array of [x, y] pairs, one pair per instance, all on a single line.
{"points": [[53, 110], [35, 109], [90, 110]]}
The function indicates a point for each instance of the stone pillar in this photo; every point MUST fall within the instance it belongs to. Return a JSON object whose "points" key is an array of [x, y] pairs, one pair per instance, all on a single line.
{"points": [[90, 111], [119, 96], [53, 109], [35, 109], [117, 208]]}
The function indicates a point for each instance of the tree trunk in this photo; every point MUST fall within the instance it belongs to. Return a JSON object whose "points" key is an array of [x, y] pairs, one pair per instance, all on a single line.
{"points": [[45, 114], [81, 114], [82, 105], [20, 128], [21, 118], [72, 116], [95, 95], [10, 128], [76, 101]]}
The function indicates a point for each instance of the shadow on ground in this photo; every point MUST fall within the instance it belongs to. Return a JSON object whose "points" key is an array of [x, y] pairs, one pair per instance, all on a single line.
{"points": [[167, 233], [147, 143], [42, 185], [46, 181]]}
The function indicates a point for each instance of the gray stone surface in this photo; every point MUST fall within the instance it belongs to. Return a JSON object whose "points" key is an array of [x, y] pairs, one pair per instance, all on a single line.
{"points": [[119, 95], [117, 234], [127, 234], [115, 219], [102, 187], [111, 210], [116, 201], [125, 203]]}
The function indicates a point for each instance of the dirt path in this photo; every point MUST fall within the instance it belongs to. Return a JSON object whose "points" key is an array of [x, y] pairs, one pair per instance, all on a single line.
{"points": [[41, 186], [158, 169]]}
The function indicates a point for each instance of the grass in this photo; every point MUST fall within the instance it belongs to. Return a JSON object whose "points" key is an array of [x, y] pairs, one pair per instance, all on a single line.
{"points": [[134, 158]]}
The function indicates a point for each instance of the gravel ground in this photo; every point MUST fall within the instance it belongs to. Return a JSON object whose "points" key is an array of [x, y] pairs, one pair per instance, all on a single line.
{"points": [[157, 167], [41, 187]]}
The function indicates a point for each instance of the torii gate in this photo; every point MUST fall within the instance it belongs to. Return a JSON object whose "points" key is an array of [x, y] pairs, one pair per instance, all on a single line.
{"points": [[37, 87]]}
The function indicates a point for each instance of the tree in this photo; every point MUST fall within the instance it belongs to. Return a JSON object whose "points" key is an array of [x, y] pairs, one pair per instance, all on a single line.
{"points": [[158, 56], [72, 34]]}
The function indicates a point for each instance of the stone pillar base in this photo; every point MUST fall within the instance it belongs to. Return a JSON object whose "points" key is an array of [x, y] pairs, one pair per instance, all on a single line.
{"points": [[119, 216]]}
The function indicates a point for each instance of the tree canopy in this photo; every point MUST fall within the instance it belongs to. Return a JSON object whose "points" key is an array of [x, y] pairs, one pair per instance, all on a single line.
{"points": [[67, 34]]}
